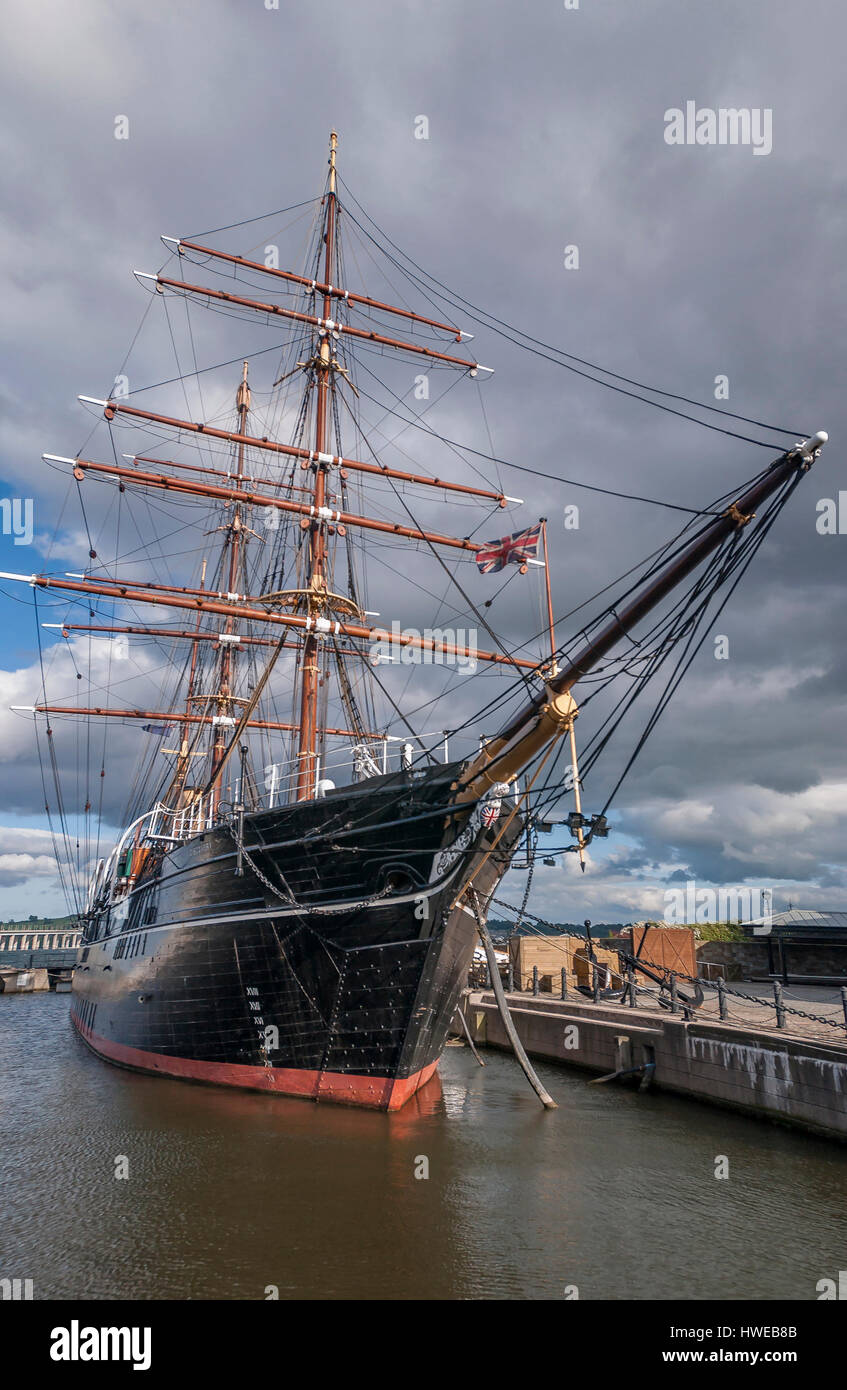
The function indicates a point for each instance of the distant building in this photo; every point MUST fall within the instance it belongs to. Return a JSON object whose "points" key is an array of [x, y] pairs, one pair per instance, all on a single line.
{"points": [[805, 922], [38, 941], [805, 943]]}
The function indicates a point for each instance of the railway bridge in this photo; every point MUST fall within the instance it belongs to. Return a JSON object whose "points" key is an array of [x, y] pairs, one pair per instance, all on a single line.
{"points": [[38, 946]]}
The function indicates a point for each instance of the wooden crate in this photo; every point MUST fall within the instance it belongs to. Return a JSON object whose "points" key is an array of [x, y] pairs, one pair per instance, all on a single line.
{"points": [[607, 958], [671, 947], [550, 954]]}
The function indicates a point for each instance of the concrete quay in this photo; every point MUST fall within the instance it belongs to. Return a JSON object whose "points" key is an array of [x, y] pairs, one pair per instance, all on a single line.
{"points": [[23, 981], [789, 1077]]}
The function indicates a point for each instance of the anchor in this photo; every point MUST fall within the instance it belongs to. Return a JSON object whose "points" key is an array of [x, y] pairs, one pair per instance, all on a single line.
{"points": [[661, 977]]}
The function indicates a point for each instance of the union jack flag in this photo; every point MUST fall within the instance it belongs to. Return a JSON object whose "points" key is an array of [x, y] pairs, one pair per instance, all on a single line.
{"points": [[509, 550]]}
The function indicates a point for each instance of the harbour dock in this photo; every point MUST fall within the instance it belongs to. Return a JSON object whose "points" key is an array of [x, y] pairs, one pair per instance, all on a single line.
{"points": [[36, 958], [15, 980], [793, 1075]]}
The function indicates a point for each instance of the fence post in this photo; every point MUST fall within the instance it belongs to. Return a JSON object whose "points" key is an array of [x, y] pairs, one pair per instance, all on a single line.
{"points": [[674, 1003], [511, 975], [844, 1001], [632, 988], [596, 981], [565, 983], [721, 996], [777, 999], [535, 979]]}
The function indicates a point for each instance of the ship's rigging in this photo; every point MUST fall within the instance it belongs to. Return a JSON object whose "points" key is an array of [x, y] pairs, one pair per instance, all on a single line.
{"points": [[301, 600]]}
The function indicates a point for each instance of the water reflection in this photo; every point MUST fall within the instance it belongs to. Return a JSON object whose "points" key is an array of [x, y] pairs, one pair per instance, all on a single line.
{"points": [[232, 1192]]}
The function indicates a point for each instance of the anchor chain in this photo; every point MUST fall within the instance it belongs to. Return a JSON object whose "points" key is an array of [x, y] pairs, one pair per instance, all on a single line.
{"points": [[290, 900]]}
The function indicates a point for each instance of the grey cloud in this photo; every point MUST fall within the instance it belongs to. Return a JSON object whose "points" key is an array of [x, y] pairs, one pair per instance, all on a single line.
{"points": [[545, 130]]}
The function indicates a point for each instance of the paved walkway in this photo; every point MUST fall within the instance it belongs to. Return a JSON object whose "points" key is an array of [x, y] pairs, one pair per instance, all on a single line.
{"points": [[757, 1010], [812, 999], [823, 1000]]}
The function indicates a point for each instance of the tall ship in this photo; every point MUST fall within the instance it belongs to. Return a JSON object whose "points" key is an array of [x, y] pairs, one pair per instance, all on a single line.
{"points": [[308, 855]]}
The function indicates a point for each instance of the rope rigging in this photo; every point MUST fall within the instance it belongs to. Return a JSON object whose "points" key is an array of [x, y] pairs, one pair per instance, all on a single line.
{"points": [[288, 565], [532, 344]]}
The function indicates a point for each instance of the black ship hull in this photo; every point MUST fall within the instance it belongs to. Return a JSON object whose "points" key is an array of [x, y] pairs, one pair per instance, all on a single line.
{"points": [[328, 968]]}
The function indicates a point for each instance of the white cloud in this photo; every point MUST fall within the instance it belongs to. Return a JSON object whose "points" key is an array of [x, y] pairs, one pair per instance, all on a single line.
{"points": [[18, 868]]}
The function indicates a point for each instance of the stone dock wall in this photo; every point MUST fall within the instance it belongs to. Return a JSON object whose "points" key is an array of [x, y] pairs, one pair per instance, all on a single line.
{"points": [[771, 1075]]}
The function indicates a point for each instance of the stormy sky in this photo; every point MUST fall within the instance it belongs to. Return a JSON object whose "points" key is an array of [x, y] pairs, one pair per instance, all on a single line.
{"points": [[545, 130]]}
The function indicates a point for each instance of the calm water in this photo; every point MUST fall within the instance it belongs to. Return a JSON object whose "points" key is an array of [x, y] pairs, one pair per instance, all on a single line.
{"points": [[229, 1193]]}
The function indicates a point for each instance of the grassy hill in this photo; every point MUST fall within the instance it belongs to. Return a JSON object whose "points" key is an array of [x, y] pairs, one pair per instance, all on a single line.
{"points": [[38, 923]]}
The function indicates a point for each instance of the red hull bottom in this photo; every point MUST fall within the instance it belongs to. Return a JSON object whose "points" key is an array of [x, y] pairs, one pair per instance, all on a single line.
{"points": [[372, 1092]]}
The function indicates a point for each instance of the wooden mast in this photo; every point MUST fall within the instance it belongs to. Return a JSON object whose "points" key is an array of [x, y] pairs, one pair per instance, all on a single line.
{"points": [[317, 547], [233, 550], [312, 609], [183, 761]]}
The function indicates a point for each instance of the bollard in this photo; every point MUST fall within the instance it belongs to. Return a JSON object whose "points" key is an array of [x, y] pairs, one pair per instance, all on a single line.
{"points": [[535, 979], [722, 996], [777, 999], [633, 993], [674, 1003], [565, 982], [844, 1001]]}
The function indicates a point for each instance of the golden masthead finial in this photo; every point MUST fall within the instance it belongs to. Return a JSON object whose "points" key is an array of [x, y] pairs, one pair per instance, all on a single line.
{"points": [[242, 397], [333, 145]]}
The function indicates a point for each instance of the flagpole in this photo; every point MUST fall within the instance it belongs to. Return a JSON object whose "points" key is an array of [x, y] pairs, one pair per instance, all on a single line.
{"points": [[554, 668]]}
